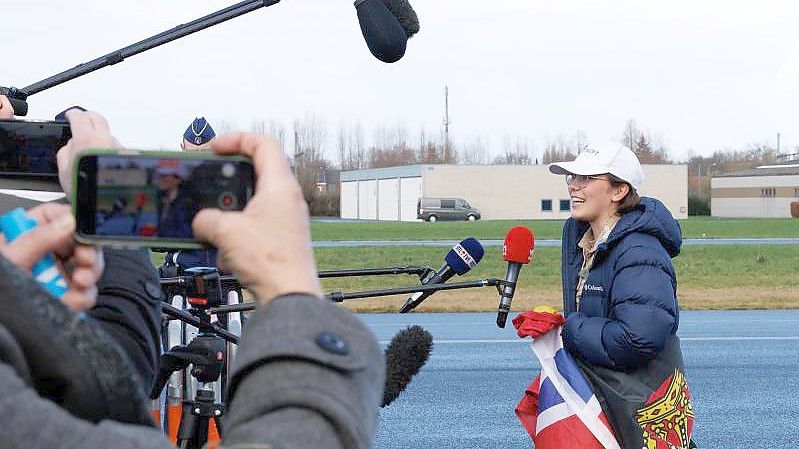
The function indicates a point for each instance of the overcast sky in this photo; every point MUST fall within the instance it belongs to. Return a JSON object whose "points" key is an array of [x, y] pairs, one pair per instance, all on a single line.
{"points": [[703, 75]]}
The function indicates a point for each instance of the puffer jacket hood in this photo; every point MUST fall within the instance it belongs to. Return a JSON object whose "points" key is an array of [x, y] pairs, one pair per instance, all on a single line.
{"points": [[650, 217]]}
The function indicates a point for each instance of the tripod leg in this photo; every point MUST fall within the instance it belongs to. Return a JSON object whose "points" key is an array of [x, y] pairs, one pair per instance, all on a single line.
{"points": [[201, 432], [187, 426], [218, 423]]}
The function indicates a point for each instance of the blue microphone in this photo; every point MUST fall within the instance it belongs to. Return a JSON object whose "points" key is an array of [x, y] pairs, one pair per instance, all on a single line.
{"points": [[459, 260]]}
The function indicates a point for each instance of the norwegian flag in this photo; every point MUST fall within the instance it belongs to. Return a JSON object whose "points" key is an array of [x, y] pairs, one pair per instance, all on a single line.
{"points": [[559, 409]]}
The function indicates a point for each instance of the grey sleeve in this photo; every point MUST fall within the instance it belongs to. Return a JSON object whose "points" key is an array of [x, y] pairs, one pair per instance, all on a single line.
{"points": [[32, 421], [308, 375]]}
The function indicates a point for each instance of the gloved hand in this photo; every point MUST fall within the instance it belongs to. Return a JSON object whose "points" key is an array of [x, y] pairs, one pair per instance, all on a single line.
{"points": [[537, 322]]}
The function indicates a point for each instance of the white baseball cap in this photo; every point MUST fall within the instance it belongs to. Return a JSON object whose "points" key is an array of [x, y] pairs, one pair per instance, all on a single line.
{"points": [[617, 160]]}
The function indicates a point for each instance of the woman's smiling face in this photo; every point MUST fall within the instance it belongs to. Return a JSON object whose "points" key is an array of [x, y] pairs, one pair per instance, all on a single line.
{"points": [[591, 197]]}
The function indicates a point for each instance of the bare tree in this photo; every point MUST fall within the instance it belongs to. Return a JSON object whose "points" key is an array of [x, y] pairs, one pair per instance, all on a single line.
{"points": [[390, 147], [580, 141], [649, 148], [558, 149], [516, 151], [224, 126], [474, 151], [308, 158], [270, 128]]}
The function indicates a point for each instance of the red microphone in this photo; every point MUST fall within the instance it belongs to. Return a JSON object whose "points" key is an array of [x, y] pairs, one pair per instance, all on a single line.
{"points": [[517, 251]]}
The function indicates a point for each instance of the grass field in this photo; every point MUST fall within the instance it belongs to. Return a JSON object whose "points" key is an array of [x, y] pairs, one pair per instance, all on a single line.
{"points": [[709, 277], [693, 227]]}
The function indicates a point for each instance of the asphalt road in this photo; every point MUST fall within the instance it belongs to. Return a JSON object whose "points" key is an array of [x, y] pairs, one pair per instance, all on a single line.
{"points": [[742, 367]]}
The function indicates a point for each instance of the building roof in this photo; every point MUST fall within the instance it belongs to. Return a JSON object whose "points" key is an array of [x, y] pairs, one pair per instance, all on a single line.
{"points": [[766, 170]]}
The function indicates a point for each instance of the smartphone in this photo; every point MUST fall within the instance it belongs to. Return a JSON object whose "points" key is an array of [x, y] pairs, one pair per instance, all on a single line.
{"points": [[134, 199], [28, 148]]}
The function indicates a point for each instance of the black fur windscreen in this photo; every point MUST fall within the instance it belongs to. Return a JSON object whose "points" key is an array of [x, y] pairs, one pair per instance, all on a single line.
{"points": [[405, 356], [403, 11]]}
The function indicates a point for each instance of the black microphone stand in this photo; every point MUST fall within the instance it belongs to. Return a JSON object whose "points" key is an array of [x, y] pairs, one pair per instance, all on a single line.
{"points": [[206, 353], [19, 96]]}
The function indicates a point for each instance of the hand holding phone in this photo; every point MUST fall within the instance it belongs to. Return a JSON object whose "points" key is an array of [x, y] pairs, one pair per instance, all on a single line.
{"points": [[267, 245], [89, 130]]}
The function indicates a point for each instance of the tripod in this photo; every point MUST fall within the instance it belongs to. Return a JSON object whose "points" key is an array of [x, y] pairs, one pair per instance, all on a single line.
{"points": [[206, 353]]}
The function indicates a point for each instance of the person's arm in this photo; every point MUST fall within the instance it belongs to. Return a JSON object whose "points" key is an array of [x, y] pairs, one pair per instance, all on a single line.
{"points": [[128, 308], [33, 421], [643, 314], [308, 374]]}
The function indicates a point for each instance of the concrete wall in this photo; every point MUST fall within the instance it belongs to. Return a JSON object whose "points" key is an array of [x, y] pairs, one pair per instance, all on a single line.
{"points": [[744, 196], [516, 191]]}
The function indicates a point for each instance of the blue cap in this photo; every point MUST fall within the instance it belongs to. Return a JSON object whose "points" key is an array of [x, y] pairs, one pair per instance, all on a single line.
{"points": [[465, 255], [199, 132]]}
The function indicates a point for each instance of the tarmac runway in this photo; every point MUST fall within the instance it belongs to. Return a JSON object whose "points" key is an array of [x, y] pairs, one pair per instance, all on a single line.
{"points": [[742, 368]]}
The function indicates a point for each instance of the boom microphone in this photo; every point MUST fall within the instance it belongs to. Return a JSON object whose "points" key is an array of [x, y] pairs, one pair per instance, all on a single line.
{"points": [[405, 356], [459, 260], [386, 26], [517, 251]]}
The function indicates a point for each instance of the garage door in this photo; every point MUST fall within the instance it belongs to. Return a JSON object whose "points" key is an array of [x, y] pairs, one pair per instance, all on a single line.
{"points": [[349, 199], [367, 200], [410, 191], [388, 199]]}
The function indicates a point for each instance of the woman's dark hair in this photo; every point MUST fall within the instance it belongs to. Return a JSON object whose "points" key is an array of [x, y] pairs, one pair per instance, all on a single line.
{"points": [[631, 200]]}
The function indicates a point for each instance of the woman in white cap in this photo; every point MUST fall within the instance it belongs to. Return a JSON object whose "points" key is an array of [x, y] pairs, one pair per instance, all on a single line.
{"points": [[618, 279], [619, 288]]}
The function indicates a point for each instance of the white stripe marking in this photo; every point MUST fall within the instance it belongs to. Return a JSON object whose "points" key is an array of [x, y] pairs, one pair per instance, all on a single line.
{"points": [[738, 338]]}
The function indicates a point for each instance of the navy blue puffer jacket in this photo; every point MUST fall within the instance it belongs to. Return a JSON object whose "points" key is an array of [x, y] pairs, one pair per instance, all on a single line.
{"points": [[629, 306]]}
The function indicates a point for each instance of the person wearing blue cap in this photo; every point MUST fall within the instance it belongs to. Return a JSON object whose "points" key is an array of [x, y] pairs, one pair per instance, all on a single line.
{"points": [[198, 135]]}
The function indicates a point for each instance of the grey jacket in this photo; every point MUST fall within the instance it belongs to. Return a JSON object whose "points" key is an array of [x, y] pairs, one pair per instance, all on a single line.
{"points": [[308, 375]]}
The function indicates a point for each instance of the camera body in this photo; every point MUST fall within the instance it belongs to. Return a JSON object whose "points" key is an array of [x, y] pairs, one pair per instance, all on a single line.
{"points": [[28, 148]]}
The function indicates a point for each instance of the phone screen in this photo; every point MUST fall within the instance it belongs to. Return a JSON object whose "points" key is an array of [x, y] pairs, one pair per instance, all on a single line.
{"points": [[149, 199], [28, 148]]}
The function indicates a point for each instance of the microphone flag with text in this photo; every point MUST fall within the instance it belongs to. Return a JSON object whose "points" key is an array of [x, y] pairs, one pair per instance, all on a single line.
{"points": [[517, 251], [459, 260]]}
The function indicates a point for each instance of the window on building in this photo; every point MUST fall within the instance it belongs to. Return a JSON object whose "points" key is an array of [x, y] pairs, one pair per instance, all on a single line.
{"points": [[768, 192], [546, 205], [796, 192], [565, 205]]}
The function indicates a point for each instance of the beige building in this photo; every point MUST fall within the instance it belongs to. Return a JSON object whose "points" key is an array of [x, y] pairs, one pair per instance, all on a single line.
{"points": [[763, 192], [498, 191]]}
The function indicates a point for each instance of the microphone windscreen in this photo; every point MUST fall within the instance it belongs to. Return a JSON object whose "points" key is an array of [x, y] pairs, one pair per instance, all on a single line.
{"points": [[20, 107], [403, 11], [405, 356], [465, 255], [519, 245], [382, 31]]}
